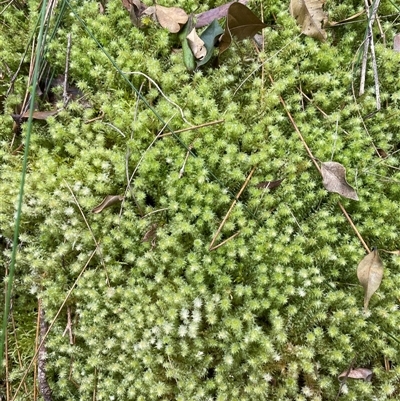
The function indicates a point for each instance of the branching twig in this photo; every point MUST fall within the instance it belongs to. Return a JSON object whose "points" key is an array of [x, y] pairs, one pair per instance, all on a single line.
{"points": [[69, 326], [90, 230], [229, 212]]}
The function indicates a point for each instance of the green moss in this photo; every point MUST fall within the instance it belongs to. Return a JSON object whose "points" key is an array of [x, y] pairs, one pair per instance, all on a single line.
{"points": [[274, 313]]}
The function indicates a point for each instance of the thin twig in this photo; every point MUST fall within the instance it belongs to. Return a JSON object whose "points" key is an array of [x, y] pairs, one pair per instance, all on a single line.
{"points": [[128, 185], [65, 93], [354, 227], [161, 92], [18, 349], [52, 323], [225, 241], [298, 131], [116, 129], [182, 170], [69, 326], [192, 128], [343, 382], [90, 230], [95, 119], [230, 209]]}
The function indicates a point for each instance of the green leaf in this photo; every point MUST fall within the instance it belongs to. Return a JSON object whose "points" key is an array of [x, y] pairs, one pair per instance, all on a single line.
{"points": [[209, 36], [188, 57]]}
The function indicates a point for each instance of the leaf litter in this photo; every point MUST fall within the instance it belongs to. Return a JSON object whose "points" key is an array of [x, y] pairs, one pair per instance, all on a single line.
{"points": [[334, 180], [310, 15], [370, 274]]}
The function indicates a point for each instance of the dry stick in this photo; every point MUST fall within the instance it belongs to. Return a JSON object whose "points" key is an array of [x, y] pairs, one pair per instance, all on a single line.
{"points": [[53, 322], [90, 229], [369, 42], [193, 128], [225, 241], [96, 118], [65, 94], [297, 130], [319, 169], [354, 227], [230, 210]]}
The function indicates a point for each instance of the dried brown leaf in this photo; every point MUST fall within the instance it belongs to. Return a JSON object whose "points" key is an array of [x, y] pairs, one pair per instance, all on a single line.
{"points": [[370, 273], [357, 373], [40, 115], [196, 45], [269, 184], [170, 18], [242, 23], [334, 180], [108, 201], [310, 15]]}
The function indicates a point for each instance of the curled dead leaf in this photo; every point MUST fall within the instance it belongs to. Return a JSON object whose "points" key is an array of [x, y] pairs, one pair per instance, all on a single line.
{"points": [[310, 15], [334, 180], [242, 23], [108, 201], [370, 273], [196, 44], [357, 373]]}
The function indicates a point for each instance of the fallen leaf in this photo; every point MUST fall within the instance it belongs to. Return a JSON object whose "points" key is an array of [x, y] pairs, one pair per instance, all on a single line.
{"points": [[170, 18], [310, 15], [334, 180], [382, 153], [209, 37], [208, 16], [136, 11], [396, 43], [108, 201], [40, 115], [196, 45], [269, 184], [242, 23], [357, 373], [370, 273], [188, 57]]}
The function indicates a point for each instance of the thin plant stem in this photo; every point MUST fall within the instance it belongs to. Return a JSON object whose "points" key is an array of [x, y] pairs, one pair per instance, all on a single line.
{"points": [[230, 209], [22, 184]]}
